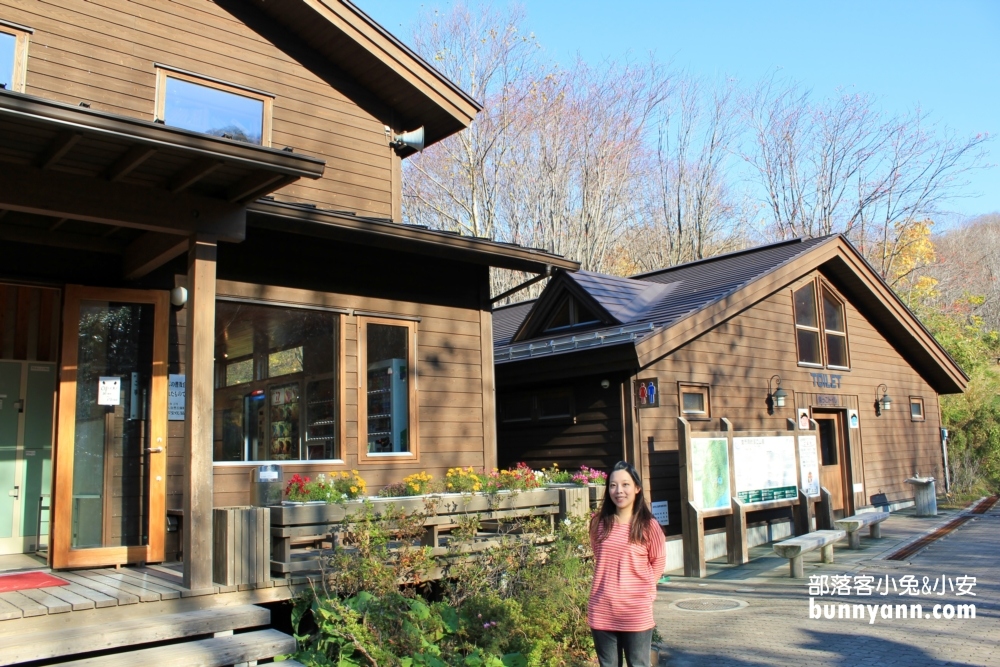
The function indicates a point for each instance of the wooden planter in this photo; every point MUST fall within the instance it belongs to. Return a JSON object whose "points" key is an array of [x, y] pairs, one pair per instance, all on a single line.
{"points": [[302, 522]]}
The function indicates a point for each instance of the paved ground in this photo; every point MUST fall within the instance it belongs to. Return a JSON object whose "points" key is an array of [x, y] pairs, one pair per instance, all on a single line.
{"points": [[775, 628]]}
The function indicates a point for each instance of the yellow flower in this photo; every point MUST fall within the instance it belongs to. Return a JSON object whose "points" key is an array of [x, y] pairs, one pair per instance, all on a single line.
{"points": [[449, 485], [354, 489], [343, 473]]}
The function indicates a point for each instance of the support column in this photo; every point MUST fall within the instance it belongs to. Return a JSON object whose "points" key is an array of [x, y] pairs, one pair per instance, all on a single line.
{"points": [[199, 400]]}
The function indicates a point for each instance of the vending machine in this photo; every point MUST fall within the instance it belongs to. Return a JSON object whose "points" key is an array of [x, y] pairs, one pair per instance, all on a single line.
{"points": [[388, 407]]}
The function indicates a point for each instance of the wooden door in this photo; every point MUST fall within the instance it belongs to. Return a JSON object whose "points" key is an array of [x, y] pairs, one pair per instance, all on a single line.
{"points": [[109, 505], [833, 462]]}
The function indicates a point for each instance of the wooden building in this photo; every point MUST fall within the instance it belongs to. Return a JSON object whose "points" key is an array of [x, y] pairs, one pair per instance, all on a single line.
{"points": [[202, 269], [599, 368]]}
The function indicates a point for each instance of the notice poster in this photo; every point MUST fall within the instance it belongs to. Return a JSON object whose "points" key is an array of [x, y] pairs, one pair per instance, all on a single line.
{"points": [[710, 469], [809, 465], [765, 468], [175, 397], [109, 390]]}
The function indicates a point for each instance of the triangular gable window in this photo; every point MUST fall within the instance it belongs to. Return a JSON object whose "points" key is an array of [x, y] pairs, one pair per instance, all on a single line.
{"points": [[568, 314]]}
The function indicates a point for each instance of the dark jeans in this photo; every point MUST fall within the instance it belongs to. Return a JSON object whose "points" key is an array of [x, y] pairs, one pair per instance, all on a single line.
{"points": [[612, 646]]}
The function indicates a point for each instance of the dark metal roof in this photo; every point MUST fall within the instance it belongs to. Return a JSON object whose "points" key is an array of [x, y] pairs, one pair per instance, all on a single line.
{"points": [[647, 302]]}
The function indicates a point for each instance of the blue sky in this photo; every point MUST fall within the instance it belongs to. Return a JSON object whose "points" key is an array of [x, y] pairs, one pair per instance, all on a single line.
{"points": [[942, 56]]}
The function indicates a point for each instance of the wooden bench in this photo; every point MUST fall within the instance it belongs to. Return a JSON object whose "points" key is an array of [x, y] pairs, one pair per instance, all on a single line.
{"points": [[794, 548], [854, 524]]}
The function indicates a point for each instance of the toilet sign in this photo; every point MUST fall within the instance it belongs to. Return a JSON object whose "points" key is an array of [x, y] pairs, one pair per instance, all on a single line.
{"points": [[647, 393], [109, 390]]}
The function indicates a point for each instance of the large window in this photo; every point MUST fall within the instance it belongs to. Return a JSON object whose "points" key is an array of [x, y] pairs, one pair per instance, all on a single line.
{"points": [[818, 338], [213, 107], [13, 57], [387, 409], [277, 394]]}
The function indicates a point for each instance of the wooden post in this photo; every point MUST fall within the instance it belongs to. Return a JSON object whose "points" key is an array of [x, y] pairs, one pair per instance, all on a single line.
{"points": [[824, 510], [693, 528], [199, 401], [803, 514], [488, 375], [739, 552]]}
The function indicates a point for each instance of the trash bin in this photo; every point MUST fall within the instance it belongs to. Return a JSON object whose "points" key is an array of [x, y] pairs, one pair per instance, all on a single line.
{"points": [[266, 486], [925, 495]]}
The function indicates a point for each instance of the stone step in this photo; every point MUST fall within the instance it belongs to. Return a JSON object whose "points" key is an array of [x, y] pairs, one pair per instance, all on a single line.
{"points": [[214, 652], [144, 629]]}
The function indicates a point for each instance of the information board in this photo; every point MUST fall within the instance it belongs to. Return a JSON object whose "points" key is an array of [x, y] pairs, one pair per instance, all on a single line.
{"points": [[765, 468], [809, 465], [660, 512], [710, 472], [109, 390]]}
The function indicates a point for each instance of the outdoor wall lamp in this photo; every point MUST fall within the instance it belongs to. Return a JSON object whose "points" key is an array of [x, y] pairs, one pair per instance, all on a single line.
{"points": [[777, 399], [605, 384], [884, 403]]}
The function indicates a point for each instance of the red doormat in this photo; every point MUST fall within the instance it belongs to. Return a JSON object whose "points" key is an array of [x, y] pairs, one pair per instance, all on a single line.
{"points": [[23, 580]]}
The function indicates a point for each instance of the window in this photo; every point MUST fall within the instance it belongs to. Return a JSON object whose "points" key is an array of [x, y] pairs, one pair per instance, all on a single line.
{"points": [[387, 410], [552, 405], [916, 409], [816, 338], [835, 330], [213, 107], [807, 326], [694, 400], [277, 394], [13, 56], [570, 313]]}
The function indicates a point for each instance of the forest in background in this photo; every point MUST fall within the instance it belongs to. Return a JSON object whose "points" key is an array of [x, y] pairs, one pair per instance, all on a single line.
{"points": [[631, 165]]}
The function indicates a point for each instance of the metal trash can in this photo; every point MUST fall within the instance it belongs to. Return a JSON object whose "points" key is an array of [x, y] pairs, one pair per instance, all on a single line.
{"points": [[266, 485], [925, 495]]}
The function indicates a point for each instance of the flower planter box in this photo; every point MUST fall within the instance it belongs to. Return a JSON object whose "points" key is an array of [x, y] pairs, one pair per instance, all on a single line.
{"points": [[291, 522]]}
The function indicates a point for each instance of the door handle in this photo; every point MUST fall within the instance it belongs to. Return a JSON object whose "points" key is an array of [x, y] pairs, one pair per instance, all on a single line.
{"points": [[15, 492], [154, 450]]}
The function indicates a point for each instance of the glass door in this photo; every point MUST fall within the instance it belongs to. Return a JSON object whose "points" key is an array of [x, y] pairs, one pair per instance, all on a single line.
{"points": [[111, 446]]}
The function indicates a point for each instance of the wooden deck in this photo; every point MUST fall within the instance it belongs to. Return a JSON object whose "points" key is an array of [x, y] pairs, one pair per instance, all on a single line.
{"points": [[95, 594]]}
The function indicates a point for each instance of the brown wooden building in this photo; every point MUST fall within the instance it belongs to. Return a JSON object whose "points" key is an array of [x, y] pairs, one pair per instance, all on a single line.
{"points": [[202, 269], [717, 338]]}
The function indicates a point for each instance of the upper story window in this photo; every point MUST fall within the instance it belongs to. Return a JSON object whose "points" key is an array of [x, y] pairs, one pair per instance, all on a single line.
{"points": [[13, 56], [916, 408], [277, 394], [540, 405], [818, 338], [213, 107], [570, 313]]}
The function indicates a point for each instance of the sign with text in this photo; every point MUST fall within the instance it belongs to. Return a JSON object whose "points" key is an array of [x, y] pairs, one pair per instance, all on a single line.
{"points": [[809, 465], [109, 390], [710, 471], [660, 513], [175, 397], [765, 468], [647, 393]]}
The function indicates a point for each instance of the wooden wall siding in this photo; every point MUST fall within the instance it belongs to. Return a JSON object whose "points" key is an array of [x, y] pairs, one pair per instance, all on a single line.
{"points": [[29, 323], [450, 394], [102, 52], [593, 438], [737, 358]]}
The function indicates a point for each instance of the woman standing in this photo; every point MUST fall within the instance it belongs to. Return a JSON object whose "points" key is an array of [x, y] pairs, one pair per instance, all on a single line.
{"points": [[629, 555]]}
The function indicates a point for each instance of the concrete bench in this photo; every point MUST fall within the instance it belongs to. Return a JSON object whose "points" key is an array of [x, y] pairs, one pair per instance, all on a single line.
{"points": [[794, 548], [854, 524]]}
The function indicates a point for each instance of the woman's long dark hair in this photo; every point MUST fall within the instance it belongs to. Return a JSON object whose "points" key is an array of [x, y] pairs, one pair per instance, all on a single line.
{"points": [[600, 527]]}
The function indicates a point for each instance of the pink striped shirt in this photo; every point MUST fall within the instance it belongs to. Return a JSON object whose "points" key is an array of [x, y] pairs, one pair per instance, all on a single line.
{"points": [[625, 576]]}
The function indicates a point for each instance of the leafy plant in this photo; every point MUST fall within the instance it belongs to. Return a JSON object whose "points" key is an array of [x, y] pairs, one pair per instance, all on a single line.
{"points": [[418, 483], [462, 480], [589, 476], [556, 475]]}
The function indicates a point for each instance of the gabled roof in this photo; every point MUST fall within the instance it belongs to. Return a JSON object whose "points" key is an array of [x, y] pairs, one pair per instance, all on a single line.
{"points": [[695, 297], [416, 92]]}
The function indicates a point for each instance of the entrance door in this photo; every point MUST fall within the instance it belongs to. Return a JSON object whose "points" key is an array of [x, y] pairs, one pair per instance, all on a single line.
{"points": [[27, 390], [833, 464], [111, 446]]}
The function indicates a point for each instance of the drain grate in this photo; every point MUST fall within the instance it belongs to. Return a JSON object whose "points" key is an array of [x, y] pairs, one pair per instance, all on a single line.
{"points": [[709, 604]]}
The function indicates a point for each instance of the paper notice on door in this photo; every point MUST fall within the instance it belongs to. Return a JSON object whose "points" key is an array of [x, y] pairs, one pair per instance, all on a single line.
{"points": [[109, 391]]}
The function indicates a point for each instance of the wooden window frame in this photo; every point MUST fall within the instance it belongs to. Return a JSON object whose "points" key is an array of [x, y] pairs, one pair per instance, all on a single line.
{"points": [[694, 388], [248, 293], [824, 291], [163, 72], [923, 413], [22, 36], [818, 330], [381, 458], [574, 316]]}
